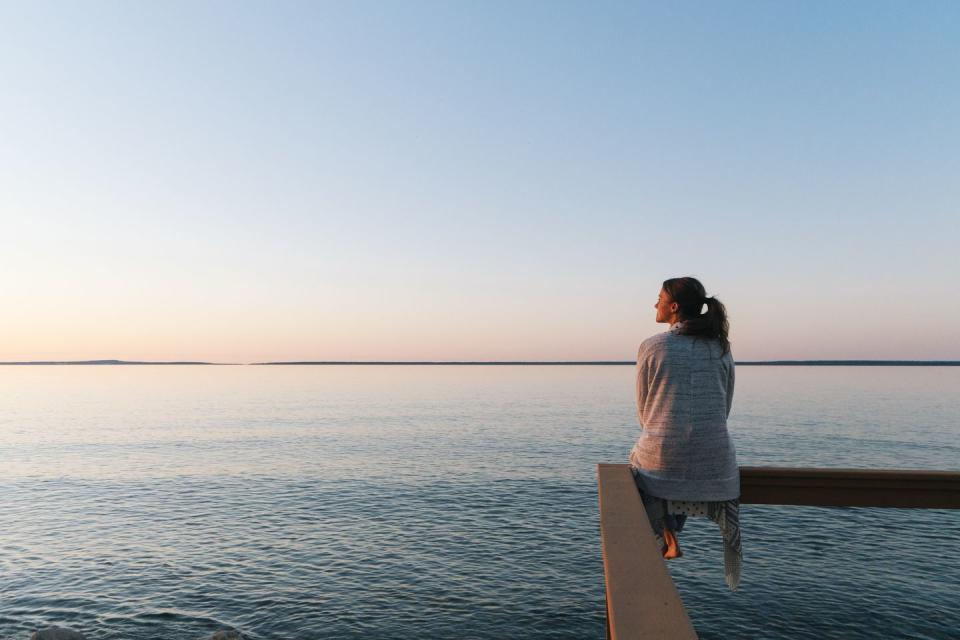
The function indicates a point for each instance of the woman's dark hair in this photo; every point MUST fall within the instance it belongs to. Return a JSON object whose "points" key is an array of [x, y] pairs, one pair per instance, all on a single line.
{"points": [[690, 296]]}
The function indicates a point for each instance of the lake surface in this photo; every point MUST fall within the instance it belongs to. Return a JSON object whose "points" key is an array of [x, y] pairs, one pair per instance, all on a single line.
{"points": [[166, 502]]}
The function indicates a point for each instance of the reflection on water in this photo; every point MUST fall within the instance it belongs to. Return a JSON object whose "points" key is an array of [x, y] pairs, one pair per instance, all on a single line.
{"points": [[439, 501]]}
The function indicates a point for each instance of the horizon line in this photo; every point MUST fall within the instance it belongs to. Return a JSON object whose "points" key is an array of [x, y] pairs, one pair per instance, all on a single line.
{"points": [[819, 362]]}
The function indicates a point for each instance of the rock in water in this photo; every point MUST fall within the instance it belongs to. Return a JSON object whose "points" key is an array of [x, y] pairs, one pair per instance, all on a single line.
{"points": [[224, 634], [57, 633]]}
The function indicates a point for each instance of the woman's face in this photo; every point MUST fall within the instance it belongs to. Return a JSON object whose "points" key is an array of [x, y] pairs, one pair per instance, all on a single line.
{"points": [[666, 308]]}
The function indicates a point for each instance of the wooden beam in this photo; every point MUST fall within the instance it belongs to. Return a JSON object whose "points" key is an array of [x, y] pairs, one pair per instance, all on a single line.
{"points": [[847, 487], [850, 487], [642, 601]]}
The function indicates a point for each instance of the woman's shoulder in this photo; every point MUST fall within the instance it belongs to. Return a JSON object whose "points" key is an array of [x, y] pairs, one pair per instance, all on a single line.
{"points": [[672, 345], [657, 339], [654, 344]]}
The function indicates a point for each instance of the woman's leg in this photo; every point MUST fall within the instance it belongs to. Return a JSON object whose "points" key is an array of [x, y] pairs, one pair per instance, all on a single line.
{"points": [[671, 548]]}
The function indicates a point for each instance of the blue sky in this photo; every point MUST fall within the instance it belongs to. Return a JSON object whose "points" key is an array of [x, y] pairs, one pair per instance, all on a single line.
{"points": [[439, 180]]}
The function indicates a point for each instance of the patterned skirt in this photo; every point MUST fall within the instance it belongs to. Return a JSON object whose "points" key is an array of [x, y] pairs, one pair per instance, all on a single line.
{"points": [[672, 514]]}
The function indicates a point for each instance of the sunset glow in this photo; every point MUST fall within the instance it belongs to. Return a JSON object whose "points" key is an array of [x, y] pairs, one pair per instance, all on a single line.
{"points": [[475, 182]]}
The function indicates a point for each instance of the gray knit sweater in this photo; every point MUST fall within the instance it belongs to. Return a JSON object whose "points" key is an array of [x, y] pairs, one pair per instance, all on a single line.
{"points": [[684, 394]]}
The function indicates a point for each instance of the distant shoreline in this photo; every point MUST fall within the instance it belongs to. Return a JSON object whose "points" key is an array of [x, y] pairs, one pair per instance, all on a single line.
{"points": [[101, 362], [748, 363], [851, 363], [781, 363]]}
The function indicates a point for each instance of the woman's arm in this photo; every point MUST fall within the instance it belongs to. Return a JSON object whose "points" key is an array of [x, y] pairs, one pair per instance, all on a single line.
{"points": [[730, 380], [643, 384]]}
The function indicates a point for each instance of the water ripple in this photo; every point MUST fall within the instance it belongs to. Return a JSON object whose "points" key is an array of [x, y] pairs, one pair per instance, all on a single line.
{"points": [[325, 504]]}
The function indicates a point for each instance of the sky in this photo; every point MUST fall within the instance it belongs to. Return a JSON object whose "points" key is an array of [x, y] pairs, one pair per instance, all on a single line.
{"points": [[243, 182]]}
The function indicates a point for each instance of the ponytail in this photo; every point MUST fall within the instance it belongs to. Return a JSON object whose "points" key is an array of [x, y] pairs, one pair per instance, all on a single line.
{"points": [[690, 296]]}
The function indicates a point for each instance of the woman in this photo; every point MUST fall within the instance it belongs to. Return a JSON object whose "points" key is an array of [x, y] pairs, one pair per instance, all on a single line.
{"points": [[684, 461]]}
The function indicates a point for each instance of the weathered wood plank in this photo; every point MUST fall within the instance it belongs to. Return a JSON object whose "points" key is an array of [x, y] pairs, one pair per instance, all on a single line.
{"points": [[642, 601], [850, 487], [898, 488]]}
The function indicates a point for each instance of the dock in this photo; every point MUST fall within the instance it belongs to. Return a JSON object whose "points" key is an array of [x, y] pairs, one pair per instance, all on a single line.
{"points": [[643, 602]]}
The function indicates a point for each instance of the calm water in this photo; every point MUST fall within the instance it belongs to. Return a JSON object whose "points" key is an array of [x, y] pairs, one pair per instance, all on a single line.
{"points": [[441, 502]]}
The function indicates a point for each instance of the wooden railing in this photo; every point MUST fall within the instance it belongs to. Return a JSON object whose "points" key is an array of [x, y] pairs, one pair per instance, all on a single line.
{"points": [[643, 602], [850, 488]]}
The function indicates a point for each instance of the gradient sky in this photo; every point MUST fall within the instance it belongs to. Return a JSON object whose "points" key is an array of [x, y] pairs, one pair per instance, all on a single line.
{"points": [[475, 180]]}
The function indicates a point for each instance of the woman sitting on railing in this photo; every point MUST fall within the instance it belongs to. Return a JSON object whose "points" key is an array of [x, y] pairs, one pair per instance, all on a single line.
{"points": [[684, 462]]}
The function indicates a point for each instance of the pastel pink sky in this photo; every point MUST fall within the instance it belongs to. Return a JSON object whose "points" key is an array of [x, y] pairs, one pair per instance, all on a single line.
{"points": [[435, 182]]}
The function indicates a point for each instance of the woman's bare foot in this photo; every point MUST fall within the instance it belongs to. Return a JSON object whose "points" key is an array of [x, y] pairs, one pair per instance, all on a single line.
{"points": [[672, 548]]}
